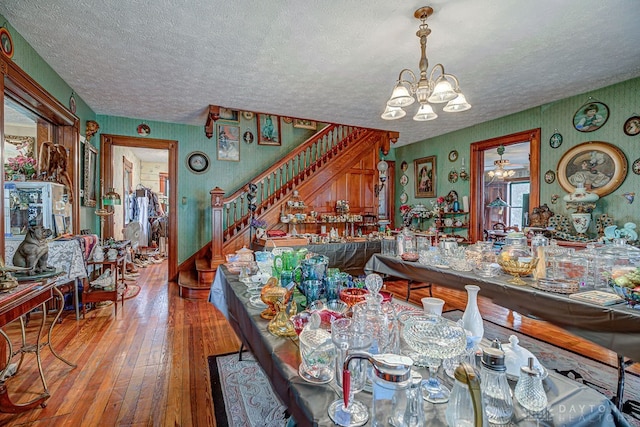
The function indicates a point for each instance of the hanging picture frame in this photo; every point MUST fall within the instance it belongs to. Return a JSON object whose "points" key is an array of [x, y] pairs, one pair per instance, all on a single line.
{"points": [[556, 140], [425, 176], [305, 124], [549, 176], [228, 143], [268, 130], [590, 116], [599, 166], [198, 162]]}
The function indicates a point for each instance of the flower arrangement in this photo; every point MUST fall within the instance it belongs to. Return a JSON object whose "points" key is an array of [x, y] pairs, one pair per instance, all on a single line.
{"points": [[20, 165], [258, 223], [410, 212]]}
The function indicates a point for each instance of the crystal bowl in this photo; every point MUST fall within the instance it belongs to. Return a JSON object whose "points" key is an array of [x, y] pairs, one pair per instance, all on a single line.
{"points": [[518, 268], [352, 296]]}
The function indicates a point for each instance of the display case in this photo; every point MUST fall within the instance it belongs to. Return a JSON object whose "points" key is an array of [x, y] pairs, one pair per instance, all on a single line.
{"points": [[33, 203]]}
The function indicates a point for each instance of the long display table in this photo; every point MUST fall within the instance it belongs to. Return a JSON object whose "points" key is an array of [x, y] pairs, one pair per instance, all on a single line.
{"points": [[570, 403], [615, 327], [349, 257]]}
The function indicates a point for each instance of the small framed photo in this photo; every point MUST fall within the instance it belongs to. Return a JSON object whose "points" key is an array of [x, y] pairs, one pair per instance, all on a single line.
{"points": [[632, 126], [6, 43], [425, 171], [590, 116], [549, 176], [305, 124], [229, 115], [268, 130], [229, 143]]}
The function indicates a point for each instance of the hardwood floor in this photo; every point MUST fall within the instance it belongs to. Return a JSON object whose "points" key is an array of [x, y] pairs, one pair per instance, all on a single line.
{"points": [[148, 366]]}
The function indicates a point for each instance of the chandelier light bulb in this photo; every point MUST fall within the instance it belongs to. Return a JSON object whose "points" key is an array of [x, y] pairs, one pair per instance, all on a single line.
{"points": [[400, 97], [393, 113], [425, 113], [457, 105]]}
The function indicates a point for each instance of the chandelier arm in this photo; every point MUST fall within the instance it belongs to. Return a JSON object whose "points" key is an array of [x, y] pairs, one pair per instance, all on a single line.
{"points": [[411, 82]]}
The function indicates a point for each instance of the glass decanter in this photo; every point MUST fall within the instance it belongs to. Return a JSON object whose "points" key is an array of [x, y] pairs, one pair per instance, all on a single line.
{"points": [[434, 339], [317, 352], [369, 316]]}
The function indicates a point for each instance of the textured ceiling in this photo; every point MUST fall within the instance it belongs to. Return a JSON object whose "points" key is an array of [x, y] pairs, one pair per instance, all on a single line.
{"points": [[167, 60]]}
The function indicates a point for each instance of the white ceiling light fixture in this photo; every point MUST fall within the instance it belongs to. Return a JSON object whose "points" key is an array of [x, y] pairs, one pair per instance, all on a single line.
{"points": [[500, 172], [440, 89]]}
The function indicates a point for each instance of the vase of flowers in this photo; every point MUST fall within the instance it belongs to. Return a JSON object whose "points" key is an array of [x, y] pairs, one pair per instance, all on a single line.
{"points": [[20, 168], [260, 226]]}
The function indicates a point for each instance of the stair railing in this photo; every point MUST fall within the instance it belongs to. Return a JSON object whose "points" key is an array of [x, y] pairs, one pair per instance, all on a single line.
{"points": [[277, 181]]}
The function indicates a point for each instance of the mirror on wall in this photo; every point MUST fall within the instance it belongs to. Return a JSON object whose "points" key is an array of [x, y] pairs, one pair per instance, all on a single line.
{"points": [[503, 197]]}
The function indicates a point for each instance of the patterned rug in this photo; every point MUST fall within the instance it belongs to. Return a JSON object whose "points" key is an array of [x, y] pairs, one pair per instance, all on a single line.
{"points": [[242, 393]]}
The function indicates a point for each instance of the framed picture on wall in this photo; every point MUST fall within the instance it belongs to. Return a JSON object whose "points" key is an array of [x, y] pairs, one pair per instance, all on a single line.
{"points": [[305, 124], [599, 166], [268, 130], [228, 114], [425, 174], [229, 143]]}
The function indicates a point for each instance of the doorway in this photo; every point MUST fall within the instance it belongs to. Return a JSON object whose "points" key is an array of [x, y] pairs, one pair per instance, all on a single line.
{"points": [[109, 179], [480, 190]]}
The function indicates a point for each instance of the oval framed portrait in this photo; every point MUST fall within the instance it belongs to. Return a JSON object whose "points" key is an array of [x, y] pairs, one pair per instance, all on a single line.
{"points": [[599, 166], [404, 180], [198, 162], [453, 155], [247, 137], [632, 126], [590, 116], [404, 166]]}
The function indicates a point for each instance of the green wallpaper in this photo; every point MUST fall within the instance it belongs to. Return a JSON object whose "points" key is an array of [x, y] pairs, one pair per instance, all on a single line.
{"points": [[194, 216], [623, 100]]}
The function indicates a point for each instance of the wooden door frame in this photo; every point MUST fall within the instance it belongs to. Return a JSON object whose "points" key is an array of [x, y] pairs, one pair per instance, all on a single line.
{"points": [[476, 182], [106, 160]]}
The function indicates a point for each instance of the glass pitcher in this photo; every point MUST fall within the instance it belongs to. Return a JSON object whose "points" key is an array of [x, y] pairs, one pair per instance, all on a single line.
{"points": [[465, 403]]}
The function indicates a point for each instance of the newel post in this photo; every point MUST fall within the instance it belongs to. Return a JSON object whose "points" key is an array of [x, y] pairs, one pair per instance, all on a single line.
{"points": [[217, 218]]}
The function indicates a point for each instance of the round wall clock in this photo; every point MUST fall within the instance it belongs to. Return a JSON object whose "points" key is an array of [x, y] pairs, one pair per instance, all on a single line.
{"points": [[6, 43], [198, 162], [549, 176], [248, 115], [404, 180], [453, 155], [632, 126], [556, 140]]}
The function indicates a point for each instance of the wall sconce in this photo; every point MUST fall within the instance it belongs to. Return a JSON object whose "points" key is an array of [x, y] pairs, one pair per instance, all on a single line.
{"points": [[382, 167]]}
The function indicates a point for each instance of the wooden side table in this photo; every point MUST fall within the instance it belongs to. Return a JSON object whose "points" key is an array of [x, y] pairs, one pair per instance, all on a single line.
{"points": [[91, 294]]}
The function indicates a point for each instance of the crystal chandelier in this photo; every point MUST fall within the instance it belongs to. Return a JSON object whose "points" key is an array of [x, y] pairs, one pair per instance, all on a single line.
{"points": [[440, 89], [500, 172]]}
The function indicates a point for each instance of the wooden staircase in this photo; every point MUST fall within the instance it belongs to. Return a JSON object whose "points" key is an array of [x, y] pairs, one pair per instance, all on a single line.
{"points": [[310, 169]]}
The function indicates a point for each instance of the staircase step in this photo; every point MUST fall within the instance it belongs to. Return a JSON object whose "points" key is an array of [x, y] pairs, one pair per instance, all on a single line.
{"points": [[190, 287]]}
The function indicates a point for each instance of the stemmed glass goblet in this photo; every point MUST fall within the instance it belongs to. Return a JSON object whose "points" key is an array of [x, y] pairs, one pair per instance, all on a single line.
{"points": [[434, 339]]}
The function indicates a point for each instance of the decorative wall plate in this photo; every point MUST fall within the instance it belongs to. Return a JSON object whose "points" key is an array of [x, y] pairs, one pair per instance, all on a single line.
{"points": [[556, 140], [198, 162], [404, 180], [287, 120], [549, 176], [248, 115], [72, 103], [404, 198], [6, 43], [143, 129], [453, 176], [404, 166], [453, 155], [632, 126], [636, 166]]}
